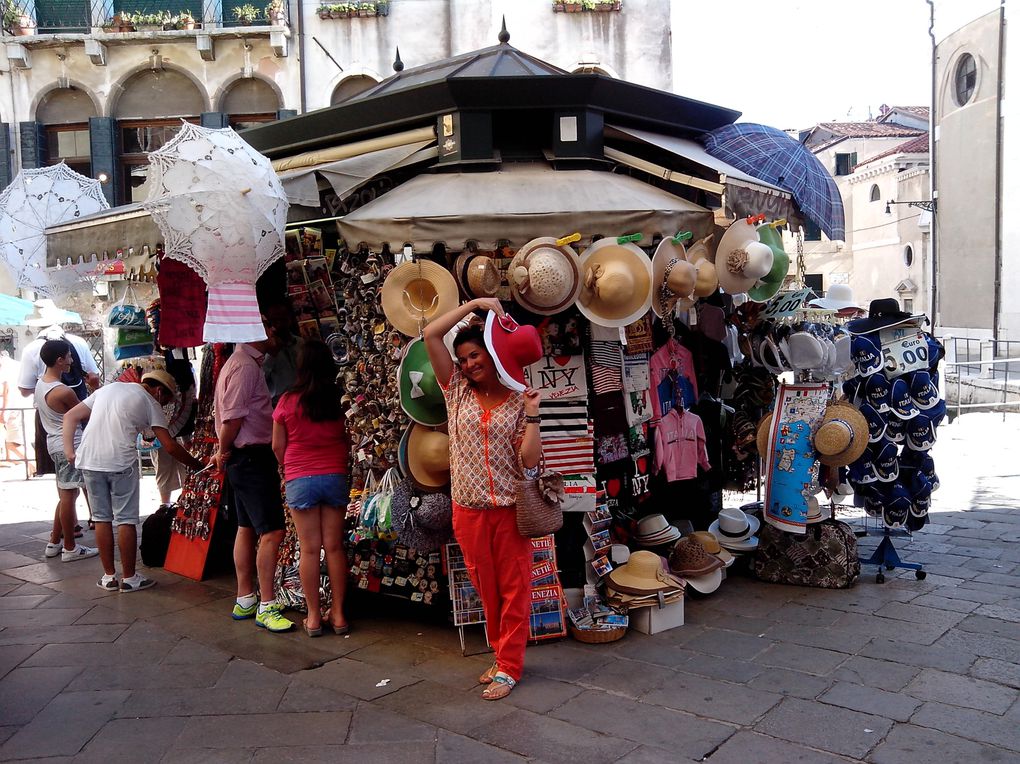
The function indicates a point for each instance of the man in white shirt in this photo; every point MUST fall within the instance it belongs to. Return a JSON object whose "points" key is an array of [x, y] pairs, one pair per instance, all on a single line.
{"points": [[85, 372], [108, 462]]}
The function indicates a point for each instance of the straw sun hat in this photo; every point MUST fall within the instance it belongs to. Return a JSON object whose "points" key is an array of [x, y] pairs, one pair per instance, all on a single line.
{"points": [[673, 277], [616, 283], [424, 457], [700, 255], [842, 436], [545, 277], [643, 574], [741, 259], [415, 293], [476, 274]]}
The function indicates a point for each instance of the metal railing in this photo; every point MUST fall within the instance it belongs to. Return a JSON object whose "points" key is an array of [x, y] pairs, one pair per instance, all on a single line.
{"points": [[974, 357], [1004, 404], [82, 16]]}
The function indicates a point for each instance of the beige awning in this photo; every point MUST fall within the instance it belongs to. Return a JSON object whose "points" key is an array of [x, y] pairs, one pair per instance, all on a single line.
{"points": [[516, 204], [344, 175], [98, 236]]}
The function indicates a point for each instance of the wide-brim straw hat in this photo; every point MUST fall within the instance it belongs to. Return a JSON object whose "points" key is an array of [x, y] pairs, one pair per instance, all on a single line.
{"points": [[842, 436], [616, 287], [673, 277], [837, 297], [643, 574], [655, 530], [741, 259], [701, 256], [415, 293], [761, 438], [421, 397], [513, 348], [476, 274], [688, 559], [545, 277], [816, 512], [424, 457]]}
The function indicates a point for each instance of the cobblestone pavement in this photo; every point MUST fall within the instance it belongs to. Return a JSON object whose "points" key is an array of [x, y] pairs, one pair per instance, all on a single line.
{"points": [[907, 671]]}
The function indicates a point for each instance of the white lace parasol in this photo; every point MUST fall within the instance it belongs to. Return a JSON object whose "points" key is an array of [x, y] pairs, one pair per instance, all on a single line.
{"points": [[38, 198], [219, 204]]}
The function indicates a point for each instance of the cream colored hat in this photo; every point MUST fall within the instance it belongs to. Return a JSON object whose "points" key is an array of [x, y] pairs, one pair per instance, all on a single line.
{"points": [[426, 456], [673, 277], [616, 283], [701, 256], [545, 277], [741, 258], [415, 293], [477, 274]]}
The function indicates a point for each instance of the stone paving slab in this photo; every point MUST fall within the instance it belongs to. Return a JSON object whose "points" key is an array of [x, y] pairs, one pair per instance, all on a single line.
{"points": [[837, 730], [908, 743]]}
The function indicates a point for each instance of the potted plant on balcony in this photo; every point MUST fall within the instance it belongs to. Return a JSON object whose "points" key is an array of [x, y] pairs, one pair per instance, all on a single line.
{"points": [[366, 9], [246, 14], [17, 21], [119, 23], [185, 21], [276, 13], [147, 22], [572, 6]]}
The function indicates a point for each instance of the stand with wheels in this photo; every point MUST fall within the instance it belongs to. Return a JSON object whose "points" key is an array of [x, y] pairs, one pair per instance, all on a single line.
{"points": [[885, 556]]}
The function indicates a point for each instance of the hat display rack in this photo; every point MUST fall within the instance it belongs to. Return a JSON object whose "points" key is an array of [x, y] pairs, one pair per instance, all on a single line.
{"points": [[603, 312]]}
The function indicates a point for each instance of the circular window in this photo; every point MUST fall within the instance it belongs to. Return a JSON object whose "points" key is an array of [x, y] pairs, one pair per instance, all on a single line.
{"points": [[876, 194], [965, 78], [908, 255]]}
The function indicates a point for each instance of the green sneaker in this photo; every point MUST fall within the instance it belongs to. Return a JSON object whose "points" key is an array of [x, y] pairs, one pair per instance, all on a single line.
{"points": [[242, 613], [272, 619]]}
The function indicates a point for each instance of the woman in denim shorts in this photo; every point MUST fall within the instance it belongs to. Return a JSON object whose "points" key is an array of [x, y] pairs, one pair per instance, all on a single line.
{"points": [[310, 441]]}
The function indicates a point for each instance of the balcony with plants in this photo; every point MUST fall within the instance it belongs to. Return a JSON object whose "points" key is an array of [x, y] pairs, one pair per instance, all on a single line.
{"points": [[353, 10], [40, 17], [587, 6]]}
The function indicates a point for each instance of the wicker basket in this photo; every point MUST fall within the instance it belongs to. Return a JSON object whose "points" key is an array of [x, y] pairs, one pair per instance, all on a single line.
{"points": [[597, 636]]}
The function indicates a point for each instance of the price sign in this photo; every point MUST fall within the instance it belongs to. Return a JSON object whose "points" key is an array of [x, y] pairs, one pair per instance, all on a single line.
{"points": [[786, 303], [904, 349]]}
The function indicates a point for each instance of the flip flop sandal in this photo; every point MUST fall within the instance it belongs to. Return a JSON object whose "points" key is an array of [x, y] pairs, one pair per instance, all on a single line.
{"points": [[486, 677], [501, 686], [311, 632]]}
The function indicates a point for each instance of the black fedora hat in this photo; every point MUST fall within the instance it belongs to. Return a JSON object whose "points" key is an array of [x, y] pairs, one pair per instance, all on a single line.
{"points": [[881, 314]]}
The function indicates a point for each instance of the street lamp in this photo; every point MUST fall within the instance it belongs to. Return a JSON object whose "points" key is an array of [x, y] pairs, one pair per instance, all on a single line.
{"points": [[928, 205]]}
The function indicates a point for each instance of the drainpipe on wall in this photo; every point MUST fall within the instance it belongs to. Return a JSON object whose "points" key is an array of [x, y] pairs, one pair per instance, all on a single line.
{"points": [[997, 303], [301, 55]]}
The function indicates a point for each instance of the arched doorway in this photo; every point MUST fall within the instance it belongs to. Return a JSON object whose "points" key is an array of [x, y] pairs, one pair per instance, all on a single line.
{"points": [[250, 101], [351, 87], [64, 114], [149, 113]]}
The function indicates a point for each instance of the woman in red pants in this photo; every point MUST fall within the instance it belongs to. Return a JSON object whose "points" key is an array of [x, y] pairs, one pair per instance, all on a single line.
{"points": [[494, 433]]}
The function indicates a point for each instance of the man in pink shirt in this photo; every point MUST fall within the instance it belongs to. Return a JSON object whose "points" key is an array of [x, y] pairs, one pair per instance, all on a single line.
{"points": [[244, 425]]}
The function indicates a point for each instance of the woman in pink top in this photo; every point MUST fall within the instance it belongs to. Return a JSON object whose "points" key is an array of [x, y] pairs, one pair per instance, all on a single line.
{"points": [[310, 441]]}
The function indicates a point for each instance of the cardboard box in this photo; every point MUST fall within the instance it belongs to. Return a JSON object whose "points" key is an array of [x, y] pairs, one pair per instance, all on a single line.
{"points": [[652, 620]]}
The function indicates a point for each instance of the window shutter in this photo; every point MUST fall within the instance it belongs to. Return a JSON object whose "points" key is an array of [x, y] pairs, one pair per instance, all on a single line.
{"points": [[105, 153], [33, 145], [6, 176], [214, 119]]}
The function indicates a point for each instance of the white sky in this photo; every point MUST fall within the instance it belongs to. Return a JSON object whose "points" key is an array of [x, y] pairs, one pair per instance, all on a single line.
{"points": [[794, 63]]}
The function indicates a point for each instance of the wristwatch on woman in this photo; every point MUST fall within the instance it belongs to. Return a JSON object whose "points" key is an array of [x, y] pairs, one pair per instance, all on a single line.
{"points": [[532, 419]]}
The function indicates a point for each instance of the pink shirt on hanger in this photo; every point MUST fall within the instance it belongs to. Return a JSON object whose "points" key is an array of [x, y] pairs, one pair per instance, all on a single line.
{"points": [[680, 446]]}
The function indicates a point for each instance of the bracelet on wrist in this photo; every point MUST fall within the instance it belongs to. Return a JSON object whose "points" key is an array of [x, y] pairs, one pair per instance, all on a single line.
{"points": [[532, 419]]}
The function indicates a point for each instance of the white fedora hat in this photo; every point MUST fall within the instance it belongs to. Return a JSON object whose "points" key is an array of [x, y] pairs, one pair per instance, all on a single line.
{"points": [[734, 529]]}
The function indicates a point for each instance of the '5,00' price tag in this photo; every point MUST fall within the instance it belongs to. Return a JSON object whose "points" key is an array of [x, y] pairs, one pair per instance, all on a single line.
{"points": [[903, 350]]}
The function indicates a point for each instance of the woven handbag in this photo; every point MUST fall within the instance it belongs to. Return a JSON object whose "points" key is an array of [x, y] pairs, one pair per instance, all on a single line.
{"points": [[540, 504]]}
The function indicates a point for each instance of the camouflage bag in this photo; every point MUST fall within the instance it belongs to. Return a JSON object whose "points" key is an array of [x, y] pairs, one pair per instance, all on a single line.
{"points": [[824, 557]]}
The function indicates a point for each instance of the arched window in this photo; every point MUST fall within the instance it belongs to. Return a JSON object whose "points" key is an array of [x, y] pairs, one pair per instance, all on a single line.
{"points": [[908, 255], [965, 79], [351, 87], [64, 114], [876, 194], [149, 113], [250, 101]]}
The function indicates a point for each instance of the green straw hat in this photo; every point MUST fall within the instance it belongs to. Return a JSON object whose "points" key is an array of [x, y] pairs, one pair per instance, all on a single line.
{"points": [[421, 397]]}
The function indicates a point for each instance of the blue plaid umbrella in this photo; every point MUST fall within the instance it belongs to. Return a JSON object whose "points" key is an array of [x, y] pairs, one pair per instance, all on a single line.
{"points": [[771, 155]]}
